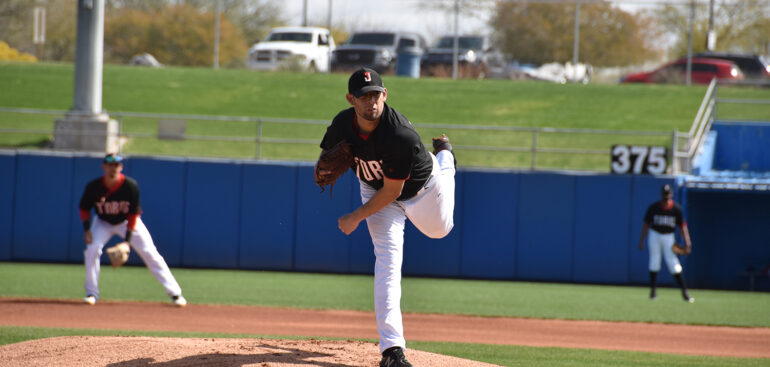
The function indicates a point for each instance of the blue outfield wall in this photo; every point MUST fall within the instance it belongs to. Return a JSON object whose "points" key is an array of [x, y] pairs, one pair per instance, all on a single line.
{"points": [[732, 147], [509, 225]]}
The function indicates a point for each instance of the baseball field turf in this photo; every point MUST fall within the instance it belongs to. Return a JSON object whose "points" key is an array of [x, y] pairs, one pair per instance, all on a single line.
{"points": [[426, 102], [421, 295]]}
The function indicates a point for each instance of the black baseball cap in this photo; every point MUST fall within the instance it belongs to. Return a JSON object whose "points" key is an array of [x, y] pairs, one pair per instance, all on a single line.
{"points": [[363, 81], [113, 158], [666, 189]]}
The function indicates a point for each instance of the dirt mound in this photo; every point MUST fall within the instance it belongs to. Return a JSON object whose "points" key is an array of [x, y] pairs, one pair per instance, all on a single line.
{"points": [[178, 352]]}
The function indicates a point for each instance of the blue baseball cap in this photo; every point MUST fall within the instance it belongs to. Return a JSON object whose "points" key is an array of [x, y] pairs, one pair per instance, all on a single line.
{"points": [[113, 158]]}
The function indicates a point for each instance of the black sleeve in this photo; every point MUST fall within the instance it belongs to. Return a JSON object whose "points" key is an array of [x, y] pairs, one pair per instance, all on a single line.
{"points": [[397, 162], [679, 215], [87, 199], [334, 133], [648, 215], [135, 204]]}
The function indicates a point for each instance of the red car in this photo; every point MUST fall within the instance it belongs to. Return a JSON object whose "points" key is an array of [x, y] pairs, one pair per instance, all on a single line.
{"points": [[703, 71]]}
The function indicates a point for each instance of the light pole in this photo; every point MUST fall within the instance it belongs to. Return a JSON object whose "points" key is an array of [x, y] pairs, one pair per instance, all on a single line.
{"points": [[86, 126]]}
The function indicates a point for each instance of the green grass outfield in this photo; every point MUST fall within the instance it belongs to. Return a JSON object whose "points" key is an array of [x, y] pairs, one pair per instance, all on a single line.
{"points": [[420, 295], [426, 101]]}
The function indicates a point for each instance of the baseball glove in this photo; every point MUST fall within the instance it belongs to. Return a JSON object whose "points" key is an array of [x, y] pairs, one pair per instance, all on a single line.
{"points": [[680, 249], [334, 162], [118, 254]]}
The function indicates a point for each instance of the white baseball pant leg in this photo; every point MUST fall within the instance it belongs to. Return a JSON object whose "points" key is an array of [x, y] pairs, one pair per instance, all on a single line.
{"points": [[431, 210], [141, 242], [660, 245]]}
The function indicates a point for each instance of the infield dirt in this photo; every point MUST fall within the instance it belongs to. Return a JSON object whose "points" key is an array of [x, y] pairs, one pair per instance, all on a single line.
{"points": [[144, 351]]}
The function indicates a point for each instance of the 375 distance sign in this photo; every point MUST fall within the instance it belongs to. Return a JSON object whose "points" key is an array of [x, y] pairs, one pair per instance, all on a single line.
{"points": [[638, 160]]}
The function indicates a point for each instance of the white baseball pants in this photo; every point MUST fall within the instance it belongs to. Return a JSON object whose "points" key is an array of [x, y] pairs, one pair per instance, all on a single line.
{"points": [[432, 212], [660, 244], [141, 243]]}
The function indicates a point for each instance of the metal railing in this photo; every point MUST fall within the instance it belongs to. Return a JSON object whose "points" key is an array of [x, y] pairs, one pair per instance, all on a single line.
{"points": [[701, 125], [684, 154], [259, 139]]}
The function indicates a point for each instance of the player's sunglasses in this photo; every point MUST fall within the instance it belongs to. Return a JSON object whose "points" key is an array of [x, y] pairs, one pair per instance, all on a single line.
{"points": [[113, 159]]}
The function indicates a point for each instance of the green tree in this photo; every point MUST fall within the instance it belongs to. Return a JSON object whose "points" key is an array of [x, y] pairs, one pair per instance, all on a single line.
{"points": [[544, 32], [177, 35], [739, 25], [61, 20]]}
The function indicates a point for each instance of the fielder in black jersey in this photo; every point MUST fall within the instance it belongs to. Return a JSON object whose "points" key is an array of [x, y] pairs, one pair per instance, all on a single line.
{"points": [[661, 220], [115, 198], [399, 180]]}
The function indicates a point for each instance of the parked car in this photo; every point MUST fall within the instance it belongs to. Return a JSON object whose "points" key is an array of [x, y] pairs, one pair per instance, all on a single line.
{"points": [[555, 72], [306, 48], [476, 58], [375, 50], [703, 71], [752, 66]]}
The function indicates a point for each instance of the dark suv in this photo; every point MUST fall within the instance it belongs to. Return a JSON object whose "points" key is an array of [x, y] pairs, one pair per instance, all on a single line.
{"points": [[752, 66], [375, 50], [476, 58]]}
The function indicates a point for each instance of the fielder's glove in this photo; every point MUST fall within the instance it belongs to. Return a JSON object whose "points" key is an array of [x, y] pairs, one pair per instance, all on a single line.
{"points": [[681, 249], [332, 163], [118, 254]]}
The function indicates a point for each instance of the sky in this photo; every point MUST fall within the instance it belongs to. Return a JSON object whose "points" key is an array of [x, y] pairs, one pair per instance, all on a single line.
{"points": [[404, 15]]}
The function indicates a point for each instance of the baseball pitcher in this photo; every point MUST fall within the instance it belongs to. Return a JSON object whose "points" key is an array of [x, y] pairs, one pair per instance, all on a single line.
{"points": [[399, 179]]}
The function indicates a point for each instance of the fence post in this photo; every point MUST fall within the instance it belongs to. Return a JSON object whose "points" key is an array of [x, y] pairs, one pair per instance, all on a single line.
{"points": [[120, 133], [674, 158], [534, 149], [259, 138]]}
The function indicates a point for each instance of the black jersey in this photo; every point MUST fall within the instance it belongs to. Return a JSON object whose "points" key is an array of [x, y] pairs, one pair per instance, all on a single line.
{"points": [[112, 207], [664, 220], [392, 150]]}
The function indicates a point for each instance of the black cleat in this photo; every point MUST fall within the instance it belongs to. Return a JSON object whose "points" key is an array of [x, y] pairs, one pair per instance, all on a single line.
{"points": [[394, 357], [441, 143]]}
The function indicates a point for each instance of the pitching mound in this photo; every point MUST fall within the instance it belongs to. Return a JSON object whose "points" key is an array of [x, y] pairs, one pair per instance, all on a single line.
{"points": [[178, 352]]}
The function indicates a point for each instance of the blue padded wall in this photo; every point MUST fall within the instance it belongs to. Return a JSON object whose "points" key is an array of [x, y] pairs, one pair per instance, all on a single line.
{"points": [[43, 207], [7, 188], [546, 216], [211, 215], [425, 256], [162, 185], [268, 216], [361, 249], [490, 225], [320, 245], [739, 146], [271, 216], [601, 245]]}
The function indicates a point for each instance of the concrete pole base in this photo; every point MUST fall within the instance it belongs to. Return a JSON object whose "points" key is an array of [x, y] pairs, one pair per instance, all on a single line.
{"points": [[86, 132]]}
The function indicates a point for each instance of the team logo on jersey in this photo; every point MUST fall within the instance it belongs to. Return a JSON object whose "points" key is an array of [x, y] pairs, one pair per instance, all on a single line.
{"points": [[368, 170], [367, 76], [112, 207], [664, 220]]}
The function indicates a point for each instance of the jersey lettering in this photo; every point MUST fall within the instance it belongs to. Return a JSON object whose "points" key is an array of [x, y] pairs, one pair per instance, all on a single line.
{"points": [[368, 170], [664, 220], [112, 207]]}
